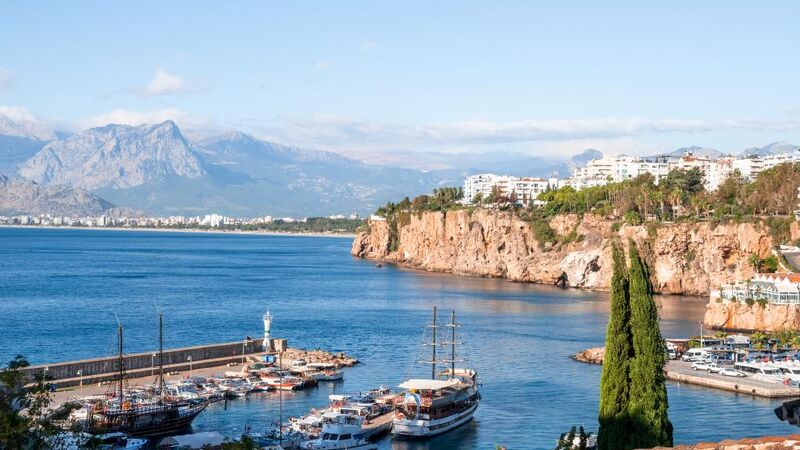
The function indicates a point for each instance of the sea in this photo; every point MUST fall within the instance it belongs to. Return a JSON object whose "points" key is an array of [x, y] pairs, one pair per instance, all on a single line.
{"points": [[63, 290]]}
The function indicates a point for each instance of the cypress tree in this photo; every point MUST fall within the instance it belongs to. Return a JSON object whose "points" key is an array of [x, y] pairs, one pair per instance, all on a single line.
{"points": [[647, 406], [614, 383]]}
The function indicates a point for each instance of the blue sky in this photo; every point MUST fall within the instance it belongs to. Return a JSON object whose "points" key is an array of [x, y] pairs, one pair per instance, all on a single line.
{"points": [[385, 80]]}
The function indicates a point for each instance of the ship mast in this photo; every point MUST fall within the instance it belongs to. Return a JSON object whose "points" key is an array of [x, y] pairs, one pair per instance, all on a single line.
{"points": [[161, 356], [433, 346], [121, 364], [453, 345]]}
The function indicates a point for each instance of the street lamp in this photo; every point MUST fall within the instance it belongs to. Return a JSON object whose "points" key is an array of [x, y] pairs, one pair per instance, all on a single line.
{"points": [[702, 343], [190, 365], [244, 344], [80, 388], [152, 364]]}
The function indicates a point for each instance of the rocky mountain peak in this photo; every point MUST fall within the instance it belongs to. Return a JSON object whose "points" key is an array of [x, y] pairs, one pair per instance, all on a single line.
{"points": [[118, 156]]}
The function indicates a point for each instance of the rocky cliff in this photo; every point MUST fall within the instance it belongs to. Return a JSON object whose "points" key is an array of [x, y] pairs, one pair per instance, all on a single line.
{"points": [[739, 315], [684, 258]]}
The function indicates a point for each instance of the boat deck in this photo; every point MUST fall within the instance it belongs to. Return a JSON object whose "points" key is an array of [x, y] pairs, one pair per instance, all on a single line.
{"points": [[379, 425]]}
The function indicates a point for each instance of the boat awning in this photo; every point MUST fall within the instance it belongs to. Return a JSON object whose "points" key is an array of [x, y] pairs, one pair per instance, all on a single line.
{"points": [[428, 385], [196, 440]]}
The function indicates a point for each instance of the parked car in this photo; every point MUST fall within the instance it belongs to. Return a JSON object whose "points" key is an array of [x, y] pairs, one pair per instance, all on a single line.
{"points": [[728, 372], [710, 367]]}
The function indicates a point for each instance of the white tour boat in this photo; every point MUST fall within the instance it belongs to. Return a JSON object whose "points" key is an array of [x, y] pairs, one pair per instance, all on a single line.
{"points": [[444, 402]]}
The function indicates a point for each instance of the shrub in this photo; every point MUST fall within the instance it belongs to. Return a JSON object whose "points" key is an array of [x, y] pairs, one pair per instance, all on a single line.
{"points": [[770, 264], [543, 233], [632, 218], [615, 227], [762, 302], [750, 302]]}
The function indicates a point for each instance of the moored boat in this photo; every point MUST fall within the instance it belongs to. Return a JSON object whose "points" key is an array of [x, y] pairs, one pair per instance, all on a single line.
{"points": [[442, 403]]}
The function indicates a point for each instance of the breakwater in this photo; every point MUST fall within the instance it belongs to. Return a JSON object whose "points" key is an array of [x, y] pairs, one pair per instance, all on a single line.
{"points": [[95, 370]]}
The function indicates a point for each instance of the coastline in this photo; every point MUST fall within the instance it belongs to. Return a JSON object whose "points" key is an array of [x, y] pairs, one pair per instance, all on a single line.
{"points": [[192, 230]]}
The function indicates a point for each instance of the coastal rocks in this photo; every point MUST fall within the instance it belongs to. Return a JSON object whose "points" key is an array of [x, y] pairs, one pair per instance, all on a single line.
{"points": [[591, 356], [684, 258], [735, 315], [319, 356]]}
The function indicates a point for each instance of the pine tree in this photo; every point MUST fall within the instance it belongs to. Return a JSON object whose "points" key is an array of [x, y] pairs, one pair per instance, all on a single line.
{"points": [[647, 406], [614, 383]]}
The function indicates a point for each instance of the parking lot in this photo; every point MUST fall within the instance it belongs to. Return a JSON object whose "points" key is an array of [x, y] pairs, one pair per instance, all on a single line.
{"points": [[681, 371]]}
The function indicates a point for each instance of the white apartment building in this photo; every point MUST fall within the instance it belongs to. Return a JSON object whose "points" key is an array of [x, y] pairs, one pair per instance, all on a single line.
{"points": [[524, 189], [598, 172]]}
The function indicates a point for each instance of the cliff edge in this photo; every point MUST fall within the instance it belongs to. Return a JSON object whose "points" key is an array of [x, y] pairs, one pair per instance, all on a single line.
{"points": [[684, 258]]}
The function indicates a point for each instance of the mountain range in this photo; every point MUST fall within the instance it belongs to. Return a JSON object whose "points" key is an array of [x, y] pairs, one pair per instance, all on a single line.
{"points": [[158, 169]]}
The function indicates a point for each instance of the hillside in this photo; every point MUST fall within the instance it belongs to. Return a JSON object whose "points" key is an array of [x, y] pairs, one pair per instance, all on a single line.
{"points": [[27, 197]]}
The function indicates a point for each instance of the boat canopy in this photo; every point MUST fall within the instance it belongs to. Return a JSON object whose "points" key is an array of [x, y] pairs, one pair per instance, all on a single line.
{"points": [[428, 385], [194, 441]]}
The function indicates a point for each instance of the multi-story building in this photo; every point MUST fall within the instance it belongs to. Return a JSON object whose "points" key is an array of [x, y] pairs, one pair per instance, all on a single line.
{"points": [[524, 190], [598, 172]]}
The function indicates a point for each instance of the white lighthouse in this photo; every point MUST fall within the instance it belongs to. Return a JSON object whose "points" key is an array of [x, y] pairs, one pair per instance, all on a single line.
{"points": [[267, 323]]}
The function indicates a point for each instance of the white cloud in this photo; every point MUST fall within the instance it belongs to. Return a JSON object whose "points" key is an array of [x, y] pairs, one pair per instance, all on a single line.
{"points": [[6, 79], [165, 83], [369, 46], [321, 65], [325, 130]]}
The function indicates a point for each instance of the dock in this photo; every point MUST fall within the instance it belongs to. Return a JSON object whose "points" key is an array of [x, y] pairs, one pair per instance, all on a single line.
{"points": [[682, 372]]}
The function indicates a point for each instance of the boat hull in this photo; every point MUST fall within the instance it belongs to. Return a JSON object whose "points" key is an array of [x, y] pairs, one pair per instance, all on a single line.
{"points": [[147, 424], [420, 429]]}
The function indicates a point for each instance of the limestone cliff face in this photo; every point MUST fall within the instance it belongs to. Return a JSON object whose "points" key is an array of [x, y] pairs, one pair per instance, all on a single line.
{"points": [[684, 258], [741, 316]]}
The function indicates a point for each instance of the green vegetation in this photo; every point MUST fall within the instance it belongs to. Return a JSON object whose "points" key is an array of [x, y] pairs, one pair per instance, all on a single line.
{"points": [[650, 426], [633, 394], [543, 233], [23, 420], [311, 225], [768, 264], [615, 379]]}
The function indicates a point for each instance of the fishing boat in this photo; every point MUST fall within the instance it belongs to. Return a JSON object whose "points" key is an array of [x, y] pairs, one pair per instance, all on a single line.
{"points": [[141, 416], [442, 403]]}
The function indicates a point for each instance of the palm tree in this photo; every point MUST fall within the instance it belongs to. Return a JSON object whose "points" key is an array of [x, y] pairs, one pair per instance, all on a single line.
{"points": [[758, 339]]}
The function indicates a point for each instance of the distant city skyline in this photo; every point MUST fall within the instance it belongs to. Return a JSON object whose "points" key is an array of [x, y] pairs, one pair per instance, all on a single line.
{"points": [[415, 83]]}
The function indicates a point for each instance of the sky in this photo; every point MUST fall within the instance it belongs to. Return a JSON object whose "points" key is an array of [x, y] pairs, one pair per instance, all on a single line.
{"points": [[415, 83]]}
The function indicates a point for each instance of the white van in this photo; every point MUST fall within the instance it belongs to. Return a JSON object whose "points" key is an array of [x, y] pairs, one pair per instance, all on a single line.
{"points": [[695, 354]]}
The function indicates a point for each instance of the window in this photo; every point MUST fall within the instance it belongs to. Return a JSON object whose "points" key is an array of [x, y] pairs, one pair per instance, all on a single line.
{"points": [[344, 437]]}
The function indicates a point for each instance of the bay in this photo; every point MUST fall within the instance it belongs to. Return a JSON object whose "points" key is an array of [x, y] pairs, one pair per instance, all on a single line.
{"points": [[60, 289]]}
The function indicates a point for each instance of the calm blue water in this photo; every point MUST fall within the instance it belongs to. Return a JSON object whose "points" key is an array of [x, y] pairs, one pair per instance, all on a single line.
{"points": [[60, 288]]}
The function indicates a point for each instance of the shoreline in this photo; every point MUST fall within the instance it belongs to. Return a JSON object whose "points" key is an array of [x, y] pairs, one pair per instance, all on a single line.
{"points": [[192, 230]]}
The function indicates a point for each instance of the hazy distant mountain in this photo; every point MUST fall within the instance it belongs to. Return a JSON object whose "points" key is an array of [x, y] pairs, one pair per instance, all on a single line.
{"points": [[18, 196], [694, 150], [580, 160], [117, 156], [156, 168], [24, 126], [770, 149], [15, 150]]}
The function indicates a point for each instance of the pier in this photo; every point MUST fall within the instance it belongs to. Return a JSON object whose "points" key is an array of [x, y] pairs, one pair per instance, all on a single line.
{"points": [[682, 372], [98, 370]]}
